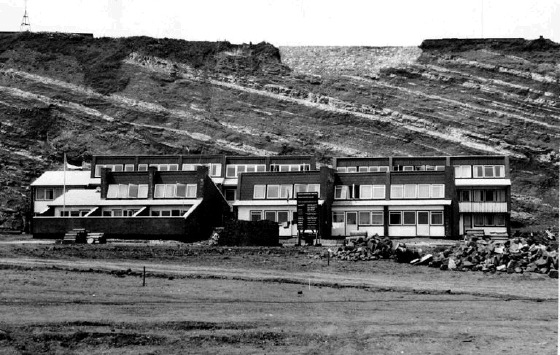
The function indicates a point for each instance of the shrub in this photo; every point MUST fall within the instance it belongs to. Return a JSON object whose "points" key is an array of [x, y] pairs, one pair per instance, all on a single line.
{"points": [[249, 233]]}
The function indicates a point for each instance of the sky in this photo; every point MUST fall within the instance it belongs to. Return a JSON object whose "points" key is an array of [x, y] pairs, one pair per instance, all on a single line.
{"points": [[292, 22]]}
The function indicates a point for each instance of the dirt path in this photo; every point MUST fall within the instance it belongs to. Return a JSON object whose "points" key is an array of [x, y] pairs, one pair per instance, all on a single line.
{"points": [[542, 288]]}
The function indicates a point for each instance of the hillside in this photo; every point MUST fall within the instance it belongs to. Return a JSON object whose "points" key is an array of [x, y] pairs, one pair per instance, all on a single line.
{"points": [[65, 93]]}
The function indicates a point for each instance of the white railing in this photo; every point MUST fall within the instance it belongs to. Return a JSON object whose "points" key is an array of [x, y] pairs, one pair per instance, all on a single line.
{"points": [[483, 207]]}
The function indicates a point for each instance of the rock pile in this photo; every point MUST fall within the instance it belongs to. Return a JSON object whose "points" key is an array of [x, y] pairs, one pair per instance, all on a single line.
{"points": [[515, 255], [369, 248]]}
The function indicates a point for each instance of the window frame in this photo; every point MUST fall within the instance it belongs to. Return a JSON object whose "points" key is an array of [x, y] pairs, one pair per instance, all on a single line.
{"points": [[268, 190], [395, 213], [395, 188], [436, 213]]}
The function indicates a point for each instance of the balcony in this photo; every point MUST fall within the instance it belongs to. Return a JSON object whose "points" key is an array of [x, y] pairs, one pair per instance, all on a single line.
{"points": [[483, 207]]}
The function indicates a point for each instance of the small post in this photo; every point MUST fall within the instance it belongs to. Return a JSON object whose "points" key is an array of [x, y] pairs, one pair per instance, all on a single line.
{"points": [[144, 277], [328, 258]]}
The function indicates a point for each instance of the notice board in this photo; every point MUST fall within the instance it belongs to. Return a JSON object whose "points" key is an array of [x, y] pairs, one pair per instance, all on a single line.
{"points": [[307, 211]]}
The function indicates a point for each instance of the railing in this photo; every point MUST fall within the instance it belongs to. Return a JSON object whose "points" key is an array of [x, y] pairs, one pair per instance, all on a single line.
{"points": [[483, 207]]}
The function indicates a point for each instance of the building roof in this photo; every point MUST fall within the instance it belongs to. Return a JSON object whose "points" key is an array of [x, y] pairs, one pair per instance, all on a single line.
{"points": [[73, 178], [93, 198], [482, 182]]}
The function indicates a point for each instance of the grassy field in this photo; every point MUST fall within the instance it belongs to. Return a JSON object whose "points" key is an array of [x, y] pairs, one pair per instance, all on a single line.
{"points": [[207, 300]]}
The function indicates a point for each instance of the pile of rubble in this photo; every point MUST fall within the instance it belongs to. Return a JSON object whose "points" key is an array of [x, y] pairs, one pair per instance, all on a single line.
{"points": [[516, 255], [368, 248]]}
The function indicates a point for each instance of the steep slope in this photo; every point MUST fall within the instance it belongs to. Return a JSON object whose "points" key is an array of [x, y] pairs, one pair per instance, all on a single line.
{"points": [[83, 96]]}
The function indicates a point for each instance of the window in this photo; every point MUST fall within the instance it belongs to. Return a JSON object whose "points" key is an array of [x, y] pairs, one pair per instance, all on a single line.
{"points": [[113, 191], [188, 167], [191, 191], [373, 169], [440, 168], [142, 167], [230, 194], [341, 169], [464, 196], [500, 220], [396, 191], [410, 191], [338, 217], [142, 191], [365, 218], [489, 219], [299, 188], [230, 171], [159, 191], [351, 169], [313, 188], [409, 218], [366, 191], [437, 218], [423, 191], [117, 213], [170, 190], [378, 191], [383, 169], [363, 169], [341, 192], [123, 191], [408, 168], [133, 191], [272, 191], [282, 216], [395, 218], [181, 190], [256, 216], [377, 218], [240, 170], [286, 191], [129, 167], [499, 171], [438, 191], [490, 195], [117, 168], [270, 216]]}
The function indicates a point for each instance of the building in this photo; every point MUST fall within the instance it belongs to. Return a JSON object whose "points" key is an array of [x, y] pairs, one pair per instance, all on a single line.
{"points": [[388, 196], [150, 204]]}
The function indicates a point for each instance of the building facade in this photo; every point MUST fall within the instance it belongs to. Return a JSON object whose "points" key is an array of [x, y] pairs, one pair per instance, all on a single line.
{"points": [[388, 196]]}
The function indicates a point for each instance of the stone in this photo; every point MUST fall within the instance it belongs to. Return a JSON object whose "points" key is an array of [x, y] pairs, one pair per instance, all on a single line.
{"points": [[518, 270], [553, 274], [501, 268], [452, 265], [426, 259]]}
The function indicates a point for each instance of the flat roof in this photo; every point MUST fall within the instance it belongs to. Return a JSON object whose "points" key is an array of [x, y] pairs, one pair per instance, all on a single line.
{"points": [[72, 177]]}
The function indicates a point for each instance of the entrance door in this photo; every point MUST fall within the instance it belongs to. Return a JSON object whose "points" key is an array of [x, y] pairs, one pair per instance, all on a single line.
{"points": [[423, 226], [467, 222], [351, 222]]}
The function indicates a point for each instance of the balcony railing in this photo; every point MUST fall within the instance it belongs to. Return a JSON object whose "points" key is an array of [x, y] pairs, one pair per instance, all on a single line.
{"points": [[483, 207]]}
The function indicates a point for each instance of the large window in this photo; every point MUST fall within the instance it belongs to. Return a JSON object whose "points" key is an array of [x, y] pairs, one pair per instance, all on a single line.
{"points": [[489, 171], [463, 171], [47, 193], [214, 170], [489, 219], [234, 170], [286, 191], [113, 167], [410, 191], [290, 167], [370, 218], [279, 217], [483, 195], [366, 192], [338, 217], [305, 188], [175, 190]]}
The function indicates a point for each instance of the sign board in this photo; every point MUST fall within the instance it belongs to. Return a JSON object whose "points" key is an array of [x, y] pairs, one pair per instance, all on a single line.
{"points": [[307, 211]]}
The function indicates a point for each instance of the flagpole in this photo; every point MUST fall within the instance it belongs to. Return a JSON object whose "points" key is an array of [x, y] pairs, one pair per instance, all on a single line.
{"points": [[64, 189]]}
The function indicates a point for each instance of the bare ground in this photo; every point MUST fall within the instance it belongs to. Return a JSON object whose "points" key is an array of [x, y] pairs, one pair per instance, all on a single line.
{"points": [[90, 299]]}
